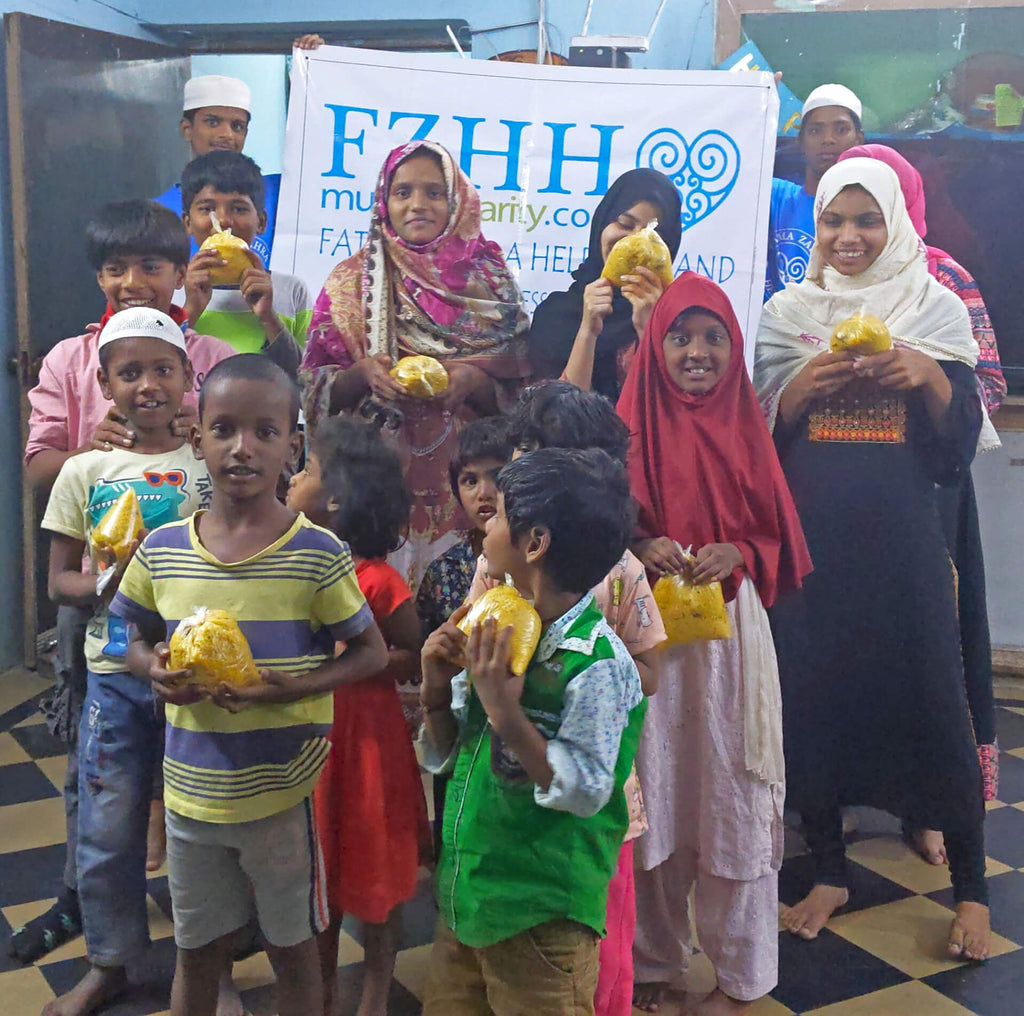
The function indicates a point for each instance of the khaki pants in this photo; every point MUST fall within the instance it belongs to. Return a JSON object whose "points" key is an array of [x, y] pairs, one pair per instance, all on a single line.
{"points": [[549, 970]]}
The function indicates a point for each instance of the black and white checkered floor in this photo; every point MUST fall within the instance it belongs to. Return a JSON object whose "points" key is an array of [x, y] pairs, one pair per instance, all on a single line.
{"points": [[884, 954]]}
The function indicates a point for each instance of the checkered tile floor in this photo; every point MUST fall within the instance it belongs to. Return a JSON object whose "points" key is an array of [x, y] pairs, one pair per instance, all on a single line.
{"points": [[884, 954]]}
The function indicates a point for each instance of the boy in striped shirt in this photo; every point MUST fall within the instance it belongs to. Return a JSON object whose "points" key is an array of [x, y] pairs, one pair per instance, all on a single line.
{"points": [[240, 763]]}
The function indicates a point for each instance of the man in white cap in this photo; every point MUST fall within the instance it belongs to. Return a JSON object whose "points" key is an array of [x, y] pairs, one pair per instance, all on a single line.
{"points": [[215, 116], [830, 123]]}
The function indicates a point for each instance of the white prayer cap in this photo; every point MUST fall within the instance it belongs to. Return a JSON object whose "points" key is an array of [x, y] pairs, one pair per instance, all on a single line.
{"points": [[833, 95], [216, 90], [142, 322]]}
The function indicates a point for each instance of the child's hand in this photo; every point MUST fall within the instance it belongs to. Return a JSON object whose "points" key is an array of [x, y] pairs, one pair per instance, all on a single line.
{"points": [[597, 304], [198, 287], [661, 556], [257, 288], [119, 566], [715, 562], [113, 431], [643, 289], [443, 655], [488, 655], [184, 419], [275, 687], [171, 685], [899, 369]]}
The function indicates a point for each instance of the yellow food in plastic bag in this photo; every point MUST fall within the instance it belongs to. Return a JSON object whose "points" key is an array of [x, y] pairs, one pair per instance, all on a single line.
{"points": [[641, 249], [212, 646], [112, 537], [691, 613], [423, 377], [507, 607], [861, 333], [232, 249]]}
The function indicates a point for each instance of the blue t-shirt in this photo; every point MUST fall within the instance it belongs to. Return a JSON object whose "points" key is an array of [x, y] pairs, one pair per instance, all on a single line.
{"points": [[262, 242], [790, 235]]}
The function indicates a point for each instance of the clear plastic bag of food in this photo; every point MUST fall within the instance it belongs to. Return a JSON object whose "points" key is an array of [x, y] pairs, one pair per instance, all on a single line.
{"points": [[507, 607], [861, 333], [210, 644], [233, 250], [691, 613], [422, 377], [645, 249], [112, 537]]}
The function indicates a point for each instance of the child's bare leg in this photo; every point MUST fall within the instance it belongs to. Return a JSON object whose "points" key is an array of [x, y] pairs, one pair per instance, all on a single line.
{"points": [[300, 990], [98, 987], [327, 947], [197, 975], [229, 1001], [156, 836], [380, 949]]}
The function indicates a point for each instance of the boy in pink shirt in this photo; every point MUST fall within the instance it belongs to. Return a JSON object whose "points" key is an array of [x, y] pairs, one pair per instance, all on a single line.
{"points": [[139, 251]]}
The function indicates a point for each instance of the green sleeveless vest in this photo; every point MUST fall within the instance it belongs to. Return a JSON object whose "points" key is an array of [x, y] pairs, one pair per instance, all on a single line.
{"points": [[507, 864]]}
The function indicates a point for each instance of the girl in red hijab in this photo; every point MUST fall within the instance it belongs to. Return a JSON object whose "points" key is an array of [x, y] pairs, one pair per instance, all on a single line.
{"points": [[705, 474]]}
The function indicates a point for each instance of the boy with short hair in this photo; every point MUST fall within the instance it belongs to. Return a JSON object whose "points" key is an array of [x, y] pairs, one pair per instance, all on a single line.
{"points": [[139, 251], [216, 113], [145, 371], [268, 312], [240, 763], [484, 446], [539, 762]]}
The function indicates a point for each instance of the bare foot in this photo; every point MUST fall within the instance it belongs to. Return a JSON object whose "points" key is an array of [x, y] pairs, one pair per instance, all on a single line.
{"points": [[928, 844], [970, 935], [99, 986], [156, 837], [811, 914], [718, 1003], [229, 1002], [648, 995]]}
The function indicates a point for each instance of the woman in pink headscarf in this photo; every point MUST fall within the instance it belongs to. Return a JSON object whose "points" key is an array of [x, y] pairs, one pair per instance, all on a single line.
{"points": [[957, 505], [426, 282]]}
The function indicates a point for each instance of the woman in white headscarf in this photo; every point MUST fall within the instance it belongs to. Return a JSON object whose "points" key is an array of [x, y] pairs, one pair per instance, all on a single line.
{"points": [[869, 656]]}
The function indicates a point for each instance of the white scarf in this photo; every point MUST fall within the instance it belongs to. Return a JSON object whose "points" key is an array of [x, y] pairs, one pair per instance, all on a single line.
{"points": [[920, 312]]}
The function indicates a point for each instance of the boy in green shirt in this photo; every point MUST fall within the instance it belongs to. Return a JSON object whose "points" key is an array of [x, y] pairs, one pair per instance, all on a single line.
{"points": [[535, 812], [267, 312]]}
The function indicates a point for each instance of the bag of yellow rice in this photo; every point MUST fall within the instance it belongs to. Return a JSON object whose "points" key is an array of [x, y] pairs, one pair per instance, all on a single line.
{"points": [[646, 249], [112, 537], [861, 333], [691, 613], [423, 377], [210, 644], [507, 607]]}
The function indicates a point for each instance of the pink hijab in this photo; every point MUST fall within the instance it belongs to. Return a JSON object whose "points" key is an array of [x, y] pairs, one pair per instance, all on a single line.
{"points": [[910, 183]]}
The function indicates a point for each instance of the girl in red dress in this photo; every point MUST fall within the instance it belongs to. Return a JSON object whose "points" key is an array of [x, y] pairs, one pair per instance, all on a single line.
{"points": [[370, 809]]}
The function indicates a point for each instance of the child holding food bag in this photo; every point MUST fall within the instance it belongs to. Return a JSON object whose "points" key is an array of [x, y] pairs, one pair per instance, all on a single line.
{"points": [[144, 370], [228, 291], [539, 748], [241, 761], [705, 475]]}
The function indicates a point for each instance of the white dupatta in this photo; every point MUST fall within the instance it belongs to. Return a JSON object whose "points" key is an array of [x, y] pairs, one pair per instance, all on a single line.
{"points": [[920, 312]]}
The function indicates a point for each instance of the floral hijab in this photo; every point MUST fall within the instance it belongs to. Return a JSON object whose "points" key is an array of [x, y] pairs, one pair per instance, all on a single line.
{"points": [[452, 297]]}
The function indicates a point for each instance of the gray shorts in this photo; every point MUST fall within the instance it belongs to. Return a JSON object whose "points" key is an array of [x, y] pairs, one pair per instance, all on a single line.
{"points": [[216, 872]]}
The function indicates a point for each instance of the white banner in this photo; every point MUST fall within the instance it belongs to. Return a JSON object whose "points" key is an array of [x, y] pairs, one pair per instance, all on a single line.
{"points": [[542, 144]]}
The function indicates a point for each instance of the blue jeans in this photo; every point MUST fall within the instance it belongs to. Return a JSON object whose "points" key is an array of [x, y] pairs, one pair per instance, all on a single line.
{"points": [[120, 745]]}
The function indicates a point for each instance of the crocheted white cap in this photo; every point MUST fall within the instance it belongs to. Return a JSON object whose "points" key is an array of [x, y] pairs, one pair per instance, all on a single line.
{"points": [[142, 322], [216, 90], [833, 95]]}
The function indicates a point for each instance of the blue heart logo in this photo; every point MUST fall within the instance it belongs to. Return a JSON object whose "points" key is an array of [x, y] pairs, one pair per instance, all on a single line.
{"points": [[704, 172]]}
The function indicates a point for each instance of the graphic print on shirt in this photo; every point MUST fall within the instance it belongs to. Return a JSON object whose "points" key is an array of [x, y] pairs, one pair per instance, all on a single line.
{"points": [[792, 252], [161, 496]]}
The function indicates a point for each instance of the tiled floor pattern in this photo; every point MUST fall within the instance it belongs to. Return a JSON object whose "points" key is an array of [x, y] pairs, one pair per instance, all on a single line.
{"points": [[882, 956]]}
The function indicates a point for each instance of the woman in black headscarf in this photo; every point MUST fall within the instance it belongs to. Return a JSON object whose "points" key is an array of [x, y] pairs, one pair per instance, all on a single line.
{"points": [[588, 334]]}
